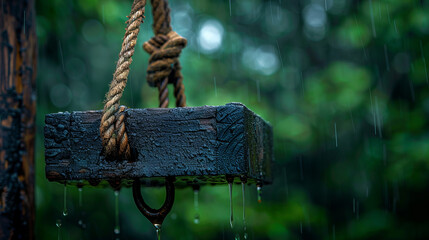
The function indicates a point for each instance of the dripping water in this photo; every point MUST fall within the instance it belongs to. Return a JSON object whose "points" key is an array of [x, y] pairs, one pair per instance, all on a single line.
{"points": [[258, 91], [230, 11], [354, 205], [388, 14], [336, 136], [286, 184], [357, 210], [158, 231], [424, 59], [117, 230], [373, 113], [396, 27], [280, 54], [80, 196], [58, 224], [65, 212], [374, 33], [243, 184], [386, 57], [103, 13], [61, 54], [231, 210], [259, 190], [197, 215], [80, 221], [215, 87]]}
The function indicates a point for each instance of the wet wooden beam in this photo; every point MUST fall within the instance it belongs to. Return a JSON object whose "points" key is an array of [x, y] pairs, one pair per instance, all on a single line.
{"points": [[197, 145]]}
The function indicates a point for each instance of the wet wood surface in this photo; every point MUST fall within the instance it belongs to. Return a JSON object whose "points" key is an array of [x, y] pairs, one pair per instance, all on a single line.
{"points": [[197, 145], [18, 58]]}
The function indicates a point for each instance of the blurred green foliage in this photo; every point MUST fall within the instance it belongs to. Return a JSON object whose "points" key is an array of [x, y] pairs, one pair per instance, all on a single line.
{"points": [[343, 82]]}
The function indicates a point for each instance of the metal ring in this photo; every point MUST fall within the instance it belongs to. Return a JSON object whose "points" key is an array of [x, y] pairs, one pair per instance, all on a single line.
{"points": [[155, 216]]}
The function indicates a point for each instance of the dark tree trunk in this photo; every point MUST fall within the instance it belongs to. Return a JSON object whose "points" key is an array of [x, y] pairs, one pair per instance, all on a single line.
{"points": [[18, 57]]}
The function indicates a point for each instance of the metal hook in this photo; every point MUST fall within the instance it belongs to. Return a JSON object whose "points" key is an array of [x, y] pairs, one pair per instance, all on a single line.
{"points": [[155, 216]]}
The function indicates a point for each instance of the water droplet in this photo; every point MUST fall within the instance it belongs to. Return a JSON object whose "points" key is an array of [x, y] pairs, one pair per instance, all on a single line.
{"points": [[81, 224], [117, 229], [197, 219], [259, 190], [158, 231], [65, 212], [58, 223], [237, 236]]}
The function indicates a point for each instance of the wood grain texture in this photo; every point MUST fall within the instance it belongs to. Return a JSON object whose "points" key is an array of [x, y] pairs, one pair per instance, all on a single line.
{"points": [[197, 145]]}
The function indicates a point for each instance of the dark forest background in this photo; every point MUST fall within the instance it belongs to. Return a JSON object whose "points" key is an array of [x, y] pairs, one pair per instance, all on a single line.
{"points": [[344, 84]]}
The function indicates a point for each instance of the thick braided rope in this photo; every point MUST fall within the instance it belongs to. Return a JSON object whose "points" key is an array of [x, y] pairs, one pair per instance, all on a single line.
{"points": [[161, 17], [112, 126], [179, 88], [165, 48]]}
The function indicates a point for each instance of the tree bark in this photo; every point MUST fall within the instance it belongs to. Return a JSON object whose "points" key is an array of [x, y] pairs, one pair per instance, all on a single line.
{"points": [[18, 57]]}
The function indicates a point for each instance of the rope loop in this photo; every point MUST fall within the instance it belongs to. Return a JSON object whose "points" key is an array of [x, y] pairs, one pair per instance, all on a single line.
{"points": [[164, 49]]}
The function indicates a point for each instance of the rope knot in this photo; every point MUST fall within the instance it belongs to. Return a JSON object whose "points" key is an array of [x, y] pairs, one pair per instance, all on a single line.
{"points": [[165, 51]]}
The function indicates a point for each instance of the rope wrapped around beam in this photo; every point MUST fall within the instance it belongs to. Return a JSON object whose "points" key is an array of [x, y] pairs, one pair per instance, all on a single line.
{"points": [[164, 67], [112, 126]]}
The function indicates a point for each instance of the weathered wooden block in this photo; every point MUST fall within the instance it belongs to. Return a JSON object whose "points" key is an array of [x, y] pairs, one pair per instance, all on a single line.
{"points": [[197, 145]]}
